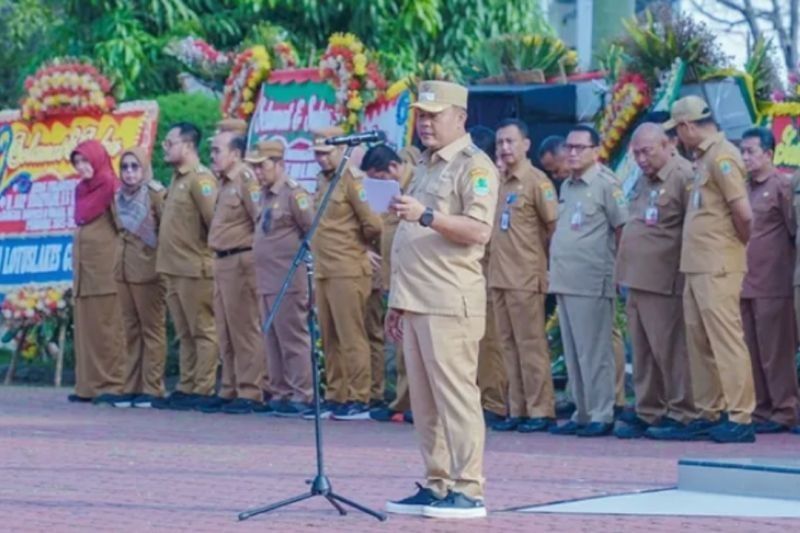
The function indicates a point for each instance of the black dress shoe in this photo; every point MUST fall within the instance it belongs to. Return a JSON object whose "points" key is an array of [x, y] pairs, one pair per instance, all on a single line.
{"points": [[491, 418], [240, 406], [74, 398], [114, 400], [408, 417], [210, 404], [770, 427], [596, 429], [630, 429], [731, 432], [570, 428], [796, 430], [509, 424], [533, 425], [564, 409], [696, 430]]}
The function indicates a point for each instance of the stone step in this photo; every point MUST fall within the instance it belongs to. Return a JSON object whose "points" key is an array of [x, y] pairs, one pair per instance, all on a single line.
{"points": [[750, 476]]}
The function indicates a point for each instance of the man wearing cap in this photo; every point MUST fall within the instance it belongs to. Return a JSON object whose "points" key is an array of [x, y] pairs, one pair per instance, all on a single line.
{"points": [[648, 265], [285, 215], [592, 210], [185, 261], [382, 162], [438, 302], [343, 276], [713, 258], [767, 307], [235, 299], [526, 214]]}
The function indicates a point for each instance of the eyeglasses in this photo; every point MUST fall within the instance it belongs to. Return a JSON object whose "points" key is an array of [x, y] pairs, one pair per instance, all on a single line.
{"points": [[577, 148], [130, 166]]}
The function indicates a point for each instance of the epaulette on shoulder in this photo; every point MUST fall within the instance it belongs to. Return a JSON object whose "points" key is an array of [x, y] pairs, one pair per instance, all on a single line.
{"points": [[357, 174], [155, 185], [292, 183], [202, 169], [470, 149]]}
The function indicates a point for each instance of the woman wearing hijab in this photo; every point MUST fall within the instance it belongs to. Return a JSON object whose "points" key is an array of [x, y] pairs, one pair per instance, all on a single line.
{"points": [[98, 327], [139, 203]]}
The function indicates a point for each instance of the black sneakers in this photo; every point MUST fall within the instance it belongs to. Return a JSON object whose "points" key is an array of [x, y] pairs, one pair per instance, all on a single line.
{"points": [[533, 425], [413, 505], [143, 401], [490, 417], [326, 409], [695, 430], [74, 398], [595, 429], [114, 400], [210, 404], [570, 428], [352, 411], [770, 427], [732, 433], [384, 414], [290, 409], [509, 424], [455, 505], [634, 428], [240, 406]]}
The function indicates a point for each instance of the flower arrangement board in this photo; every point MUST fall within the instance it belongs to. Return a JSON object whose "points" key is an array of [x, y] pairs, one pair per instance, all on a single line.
{"points": [[37, 186], [786, 129], [294, 102]]}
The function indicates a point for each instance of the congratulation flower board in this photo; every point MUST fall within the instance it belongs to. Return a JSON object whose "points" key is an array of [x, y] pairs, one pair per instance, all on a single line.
{"points": [[37, 186]]}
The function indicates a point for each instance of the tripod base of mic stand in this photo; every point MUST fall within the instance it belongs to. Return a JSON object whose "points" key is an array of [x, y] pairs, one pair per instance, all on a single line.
{"points": [[320, 486]]}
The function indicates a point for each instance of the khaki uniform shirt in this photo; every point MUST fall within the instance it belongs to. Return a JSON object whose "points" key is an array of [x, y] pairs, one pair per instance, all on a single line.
{"points": [[771, 249], [430, 274], [136, 262], [345, 230], [650, 248], [93, 255], [183, 236], [526, 204], [710, 241], [390, 223], [591, 207], [286, 214], [236, 210]]}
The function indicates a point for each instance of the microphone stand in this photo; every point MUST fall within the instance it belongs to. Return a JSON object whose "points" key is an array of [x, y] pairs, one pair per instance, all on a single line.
{"points": [[320, 485]]}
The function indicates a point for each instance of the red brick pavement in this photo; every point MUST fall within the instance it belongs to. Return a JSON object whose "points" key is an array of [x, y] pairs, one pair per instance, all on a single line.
{"points": [[66, 467]]}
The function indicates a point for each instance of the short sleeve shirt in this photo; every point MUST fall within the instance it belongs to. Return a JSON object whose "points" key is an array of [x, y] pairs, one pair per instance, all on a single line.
{"points": [[526, 204], [771, 249], [650, 248], [710, 241], [430, 274], [183, 234], [590, 209]]}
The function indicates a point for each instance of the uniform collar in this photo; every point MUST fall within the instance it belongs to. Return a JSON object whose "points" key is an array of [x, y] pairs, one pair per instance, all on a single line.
{"points": [[587, 176], [278, 185], [772, 175], [518, 171], [706, 145], [663, 174], [448, 152], [184, 169]]}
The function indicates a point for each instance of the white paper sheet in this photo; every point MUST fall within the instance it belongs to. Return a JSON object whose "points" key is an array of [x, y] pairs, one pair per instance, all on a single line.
{"points": [[380, 193]]}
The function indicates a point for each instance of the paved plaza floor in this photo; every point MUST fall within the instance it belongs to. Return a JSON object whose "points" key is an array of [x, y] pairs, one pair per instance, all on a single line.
{"points": [[67, 467]]}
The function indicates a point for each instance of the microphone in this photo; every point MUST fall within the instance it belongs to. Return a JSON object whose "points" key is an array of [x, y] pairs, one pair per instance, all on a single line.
{"points": [[357, 138]]}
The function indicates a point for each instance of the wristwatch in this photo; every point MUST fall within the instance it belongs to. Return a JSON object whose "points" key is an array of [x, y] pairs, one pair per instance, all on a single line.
{"points": [[427, 218]]}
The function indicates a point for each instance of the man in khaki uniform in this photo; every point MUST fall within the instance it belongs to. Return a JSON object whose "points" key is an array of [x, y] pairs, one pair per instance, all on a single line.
{"points": [[715, 232], [438, 302], [373, 324], [767, 307], [286, 214], [381, 162], [648, 264], [492, 378], [592, 210], [235, 300], [185, 261], [525, 219], [343, 277]]}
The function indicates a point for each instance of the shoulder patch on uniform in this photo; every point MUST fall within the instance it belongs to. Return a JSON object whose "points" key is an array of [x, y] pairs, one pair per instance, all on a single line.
{"points": [[255, 195], [206, 187], [480, 180], [362, 193], [292, 184], [155, 185], [548, 191], [201, 169], [470, 149], [619, 197], [302, 201]]}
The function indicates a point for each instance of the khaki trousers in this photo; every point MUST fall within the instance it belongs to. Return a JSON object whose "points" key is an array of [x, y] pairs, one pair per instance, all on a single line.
{"points": [[236, 313], [618, 345], [144, 319], [586, 334], [772, 341], [442, 363], [722, 376], [341, 303], [288, 347], [661, 378], [374, 325], [99, 348], [492, 379], [190, 304], [401, 400], [520, 324]]}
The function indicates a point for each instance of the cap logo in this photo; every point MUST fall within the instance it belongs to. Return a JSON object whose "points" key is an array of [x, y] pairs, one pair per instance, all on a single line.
{"points": [[427, 97]]}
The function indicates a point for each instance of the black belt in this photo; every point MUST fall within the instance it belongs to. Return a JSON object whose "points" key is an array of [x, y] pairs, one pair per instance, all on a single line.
{"points": [[233, 251]]}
